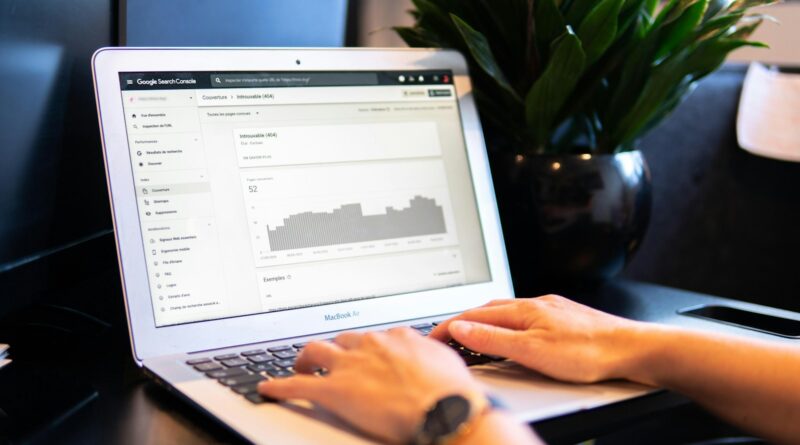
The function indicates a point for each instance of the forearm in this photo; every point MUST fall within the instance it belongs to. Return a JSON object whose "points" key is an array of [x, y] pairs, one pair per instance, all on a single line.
{"points": [[498, 427], [752, 384]]}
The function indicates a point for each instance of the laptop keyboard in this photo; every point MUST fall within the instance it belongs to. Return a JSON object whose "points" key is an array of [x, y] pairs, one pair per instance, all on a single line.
{"points": [[242, 372]]}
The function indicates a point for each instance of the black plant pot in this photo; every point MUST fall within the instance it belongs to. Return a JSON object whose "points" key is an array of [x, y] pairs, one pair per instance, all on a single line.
{"points": [[571, 221]]}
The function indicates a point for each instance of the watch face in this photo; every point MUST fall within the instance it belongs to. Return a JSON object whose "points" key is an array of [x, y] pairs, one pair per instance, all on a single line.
{"points": [[446, 417]]}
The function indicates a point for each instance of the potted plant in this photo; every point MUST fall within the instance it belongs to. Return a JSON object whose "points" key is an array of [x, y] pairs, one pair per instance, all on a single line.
{"points": [[565, 89]]}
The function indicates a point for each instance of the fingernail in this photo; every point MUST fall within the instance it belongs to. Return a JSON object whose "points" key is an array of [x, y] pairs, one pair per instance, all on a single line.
{"points": [[460, 328]]}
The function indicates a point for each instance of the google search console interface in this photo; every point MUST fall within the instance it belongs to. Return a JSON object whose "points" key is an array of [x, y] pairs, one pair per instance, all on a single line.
{"points": [[261, 192]]}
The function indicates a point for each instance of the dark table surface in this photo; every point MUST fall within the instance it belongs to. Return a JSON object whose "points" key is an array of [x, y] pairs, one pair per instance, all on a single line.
{"points": [[130, 409]]}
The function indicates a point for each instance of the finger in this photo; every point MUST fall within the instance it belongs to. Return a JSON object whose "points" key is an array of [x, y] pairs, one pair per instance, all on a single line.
{"points": [[506, 315], [403, 332], [486, 339], [349, 340], [365, 340], [438, 330], [501, 302], [318, 355], [297, 387]]}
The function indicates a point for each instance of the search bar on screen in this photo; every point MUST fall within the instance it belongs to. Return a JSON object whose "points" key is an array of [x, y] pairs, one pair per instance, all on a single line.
{"points": [[268, 80]]}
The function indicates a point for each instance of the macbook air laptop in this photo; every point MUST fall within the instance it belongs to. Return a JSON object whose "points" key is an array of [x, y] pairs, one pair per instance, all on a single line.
{"points": [[264, 198]]}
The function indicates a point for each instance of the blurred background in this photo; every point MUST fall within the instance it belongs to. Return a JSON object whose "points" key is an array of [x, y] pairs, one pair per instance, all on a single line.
{"points": [[52, 187], [376, 17]]}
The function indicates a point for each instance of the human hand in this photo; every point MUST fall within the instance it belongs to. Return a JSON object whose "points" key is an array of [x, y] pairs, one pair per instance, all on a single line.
{"points": [[381, 382], [550, 334]]}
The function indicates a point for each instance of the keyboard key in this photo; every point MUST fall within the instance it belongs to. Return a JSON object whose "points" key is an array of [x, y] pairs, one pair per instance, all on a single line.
{"points": [[457, 346], [257, 398], [464, 352], [280, 373], [210, 366], [420, 326], [285, 354], [261, 358], [225, 357], [261, 367], [287, 363], [197, 361], [300, 345], [225, 373], [454, 344], [437, 323], [231, 363], [252, 352], [247, 388], [279, 348], [241, 379], [472, 360]]}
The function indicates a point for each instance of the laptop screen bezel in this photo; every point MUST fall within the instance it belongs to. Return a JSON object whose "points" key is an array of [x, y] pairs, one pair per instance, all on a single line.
{"points": [[149, 341]]}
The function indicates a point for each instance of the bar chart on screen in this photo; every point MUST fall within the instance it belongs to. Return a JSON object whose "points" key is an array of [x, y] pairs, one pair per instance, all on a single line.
{"points": [[315, 213], [349, 224]]}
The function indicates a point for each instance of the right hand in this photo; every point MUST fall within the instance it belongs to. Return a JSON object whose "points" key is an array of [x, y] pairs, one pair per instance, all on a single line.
{"points": [[552, 335], [381, 382]]}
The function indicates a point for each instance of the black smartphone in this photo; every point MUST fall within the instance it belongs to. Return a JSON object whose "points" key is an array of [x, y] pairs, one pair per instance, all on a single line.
{"points": [[770, 324]]}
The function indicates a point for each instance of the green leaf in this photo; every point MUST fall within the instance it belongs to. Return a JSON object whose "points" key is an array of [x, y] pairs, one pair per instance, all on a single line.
{"points": [[651, 6], [550, 25], [414, 38], [434, 19], [549, 93], [626, 66], [694, 64], [631, 10], [715, 7], [511, 21], [672, 8], [479, 48], [743, 5], [578, 10], [721, 23], [636, 70], [680, 31], [598, 29], [746, 27], [674, 98]]}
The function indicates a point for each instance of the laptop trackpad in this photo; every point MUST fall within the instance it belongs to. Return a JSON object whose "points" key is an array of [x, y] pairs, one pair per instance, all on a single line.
{"points": [[530, 396]]}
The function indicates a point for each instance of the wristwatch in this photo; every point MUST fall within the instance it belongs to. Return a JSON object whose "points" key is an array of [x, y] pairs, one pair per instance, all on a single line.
{"points": [[450, 417]]}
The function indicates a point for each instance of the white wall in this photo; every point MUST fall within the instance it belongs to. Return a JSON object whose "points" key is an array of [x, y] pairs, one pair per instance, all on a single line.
{"points": [[376, 19], [783, 38]]}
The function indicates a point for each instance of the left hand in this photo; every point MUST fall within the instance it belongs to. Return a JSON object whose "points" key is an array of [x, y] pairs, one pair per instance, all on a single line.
{"points": [[381, 382], [555, 336]]}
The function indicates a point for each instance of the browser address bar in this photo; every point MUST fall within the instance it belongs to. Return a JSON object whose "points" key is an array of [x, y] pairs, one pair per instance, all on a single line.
{"points": [[267, 80]]}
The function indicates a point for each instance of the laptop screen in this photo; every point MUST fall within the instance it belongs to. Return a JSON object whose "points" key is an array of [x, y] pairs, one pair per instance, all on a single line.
{"points": [[270, 191]]}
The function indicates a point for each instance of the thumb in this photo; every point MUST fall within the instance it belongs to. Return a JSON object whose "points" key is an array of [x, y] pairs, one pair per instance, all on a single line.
{"points": [[485, 338]]}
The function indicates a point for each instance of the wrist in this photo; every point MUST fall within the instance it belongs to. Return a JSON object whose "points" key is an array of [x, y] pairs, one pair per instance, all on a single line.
{"points": [[645, 344], [477, 428], [497, 426]]}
